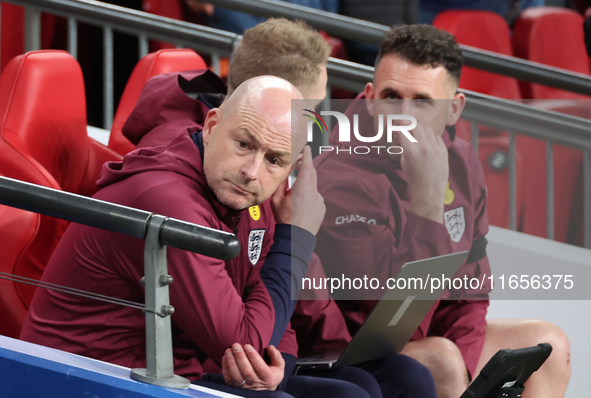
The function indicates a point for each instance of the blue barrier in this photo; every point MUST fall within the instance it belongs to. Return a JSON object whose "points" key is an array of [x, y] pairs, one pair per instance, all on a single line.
{"points": [[31, 370]]}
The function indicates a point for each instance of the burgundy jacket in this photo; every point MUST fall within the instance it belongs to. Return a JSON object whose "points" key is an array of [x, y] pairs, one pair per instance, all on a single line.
{"points": [[360, 188], [212, 309]]}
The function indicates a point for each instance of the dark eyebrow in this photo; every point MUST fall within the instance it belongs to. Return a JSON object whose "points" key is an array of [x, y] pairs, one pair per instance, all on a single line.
{"points": [[389, 90]]}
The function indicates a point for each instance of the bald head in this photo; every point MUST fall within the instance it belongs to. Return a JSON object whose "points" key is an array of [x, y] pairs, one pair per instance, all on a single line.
{"points": [[268, 98], [250, 142]]}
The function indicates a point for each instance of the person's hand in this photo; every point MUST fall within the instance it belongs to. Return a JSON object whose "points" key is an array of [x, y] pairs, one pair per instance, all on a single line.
{"points": [[425, 165], [200, 7], [301, 205], [245, 368]]}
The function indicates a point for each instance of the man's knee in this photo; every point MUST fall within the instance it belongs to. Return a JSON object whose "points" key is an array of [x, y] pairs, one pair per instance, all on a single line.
{"points": [[443, 358], [409, 376], [547, 332]]}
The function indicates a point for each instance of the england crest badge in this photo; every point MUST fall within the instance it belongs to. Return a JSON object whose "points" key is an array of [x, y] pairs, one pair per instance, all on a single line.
{"points": [[455, 223], [255, 245]]}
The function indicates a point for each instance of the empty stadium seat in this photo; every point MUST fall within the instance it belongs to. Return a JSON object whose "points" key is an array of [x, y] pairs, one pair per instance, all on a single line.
{"points": [[43, 140], [487, 31], [163, 61], [18, 228], [551, 36]]}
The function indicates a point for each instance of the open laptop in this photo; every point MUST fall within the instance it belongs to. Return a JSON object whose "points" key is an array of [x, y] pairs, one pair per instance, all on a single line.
{"points": [[395, 317]]}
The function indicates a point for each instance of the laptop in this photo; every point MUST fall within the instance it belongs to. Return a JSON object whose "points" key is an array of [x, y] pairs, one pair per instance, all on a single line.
{"points": [[395, 317]]}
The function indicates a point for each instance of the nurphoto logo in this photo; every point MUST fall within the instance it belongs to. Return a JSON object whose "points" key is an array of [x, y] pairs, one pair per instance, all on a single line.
{"points": [[345, 132]]}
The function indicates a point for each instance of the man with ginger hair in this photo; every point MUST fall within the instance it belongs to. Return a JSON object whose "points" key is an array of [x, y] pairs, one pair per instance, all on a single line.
{"points": [[291, 50]]}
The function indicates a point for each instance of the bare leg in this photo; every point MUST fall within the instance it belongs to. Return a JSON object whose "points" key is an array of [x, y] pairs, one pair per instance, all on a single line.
{"points": [[444, 359], [551, 380]]}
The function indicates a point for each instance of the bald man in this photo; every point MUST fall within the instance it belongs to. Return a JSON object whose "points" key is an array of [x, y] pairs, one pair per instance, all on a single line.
{"points": [[208, 176]]}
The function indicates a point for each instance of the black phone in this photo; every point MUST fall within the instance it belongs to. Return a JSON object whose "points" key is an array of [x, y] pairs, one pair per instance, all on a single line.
{"points": [[506, 372]]}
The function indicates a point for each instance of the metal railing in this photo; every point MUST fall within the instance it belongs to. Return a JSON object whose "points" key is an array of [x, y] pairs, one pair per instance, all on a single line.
{"points": [[552, 127], [368, 32], [158, 231]]}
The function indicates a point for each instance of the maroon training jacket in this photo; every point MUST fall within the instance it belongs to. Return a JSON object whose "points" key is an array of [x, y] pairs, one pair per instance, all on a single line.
{"points": [[359, 188], [207, 293]]}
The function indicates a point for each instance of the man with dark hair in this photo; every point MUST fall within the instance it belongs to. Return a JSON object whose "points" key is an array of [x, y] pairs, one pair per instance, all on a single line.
{"points": [[426, 201]]}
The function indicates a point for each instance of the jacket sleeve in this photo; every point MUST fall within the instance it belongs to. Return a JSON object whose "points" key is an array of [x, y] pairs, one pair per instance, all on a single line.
{"points": [[317, 320], [210, 310], [463, 319]]}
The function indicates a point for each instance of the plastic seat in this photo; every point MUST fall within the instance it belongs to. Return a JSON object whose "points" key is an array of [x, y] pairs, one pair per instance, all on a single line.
{"points": [[551, 36], [18, 228], [43, 140], [487, 31], [163, 61]]}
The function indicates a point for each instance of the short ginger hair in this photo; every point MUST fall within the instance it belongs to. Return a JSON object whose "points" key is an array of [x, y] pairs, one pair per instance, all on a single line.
{"points": [[279, 47]]}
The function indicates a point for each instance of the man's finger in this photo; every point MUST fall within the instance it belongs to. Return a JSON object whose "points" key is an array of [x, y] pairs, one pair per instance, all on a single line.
{"points": [[244, 365], [233, 371], [258, 363], [281, 190], [306, 170], [275, 356]]}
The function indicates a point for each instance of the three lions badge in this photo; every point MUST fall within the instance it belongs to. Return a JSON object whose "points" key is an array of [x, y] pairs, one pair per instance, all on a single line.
{"points": [[255, 244], [455, 223]]}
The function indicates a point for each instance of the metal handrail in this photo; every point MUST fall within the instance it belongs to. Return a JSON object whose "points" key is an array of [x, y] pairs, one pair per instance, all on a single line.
{"points": [[560, 128], [116, 218], [135, 22], [372, 33], [341, 73]]}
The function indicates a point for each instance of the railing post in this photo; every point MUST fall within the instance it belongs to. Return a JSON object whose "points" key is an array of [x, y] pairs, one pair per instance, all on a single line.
{"points": [[549, 191], [107, 77], [32, 29], [512, 183], [73, 37], [159, 360]]}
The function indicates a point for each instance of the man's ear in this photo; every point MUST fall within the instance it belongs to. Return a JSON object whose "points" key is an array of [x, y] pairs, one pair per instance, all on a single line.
{"points": [[457, 106], [369, 97], [297, 161], [212, 119]]}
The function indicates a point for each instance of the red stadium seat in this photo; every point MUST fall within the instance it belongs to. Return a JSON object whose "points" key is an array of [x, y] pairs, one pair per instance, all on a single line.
{"points": [[487, 31], [18, 228], [43, 140], [164, 8], [551, 36], [163, 61]]}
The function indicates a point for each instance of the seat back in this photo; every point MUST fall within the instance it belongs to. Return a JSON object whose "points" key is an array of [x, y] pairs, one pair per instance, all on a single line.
{"points": [[487, 31], [43, 140], [18, 229], [551, 36], [43, 113], [163, 61]]}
